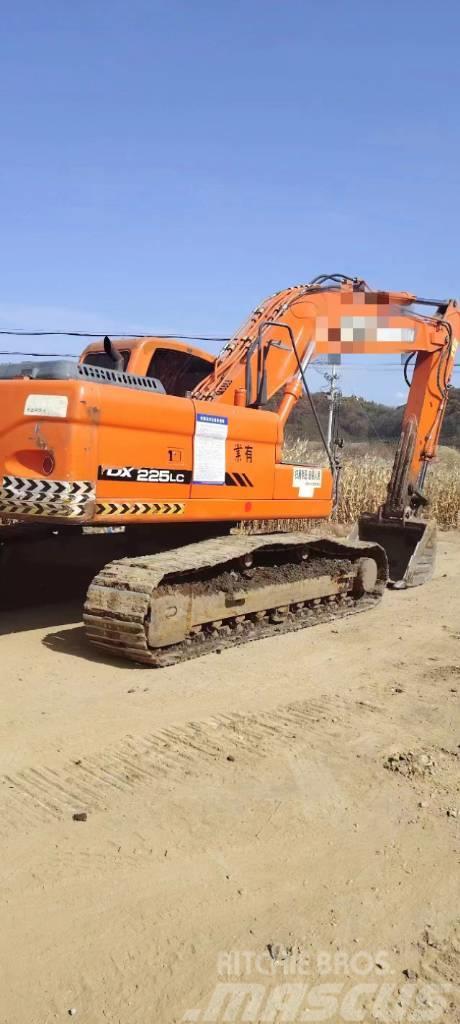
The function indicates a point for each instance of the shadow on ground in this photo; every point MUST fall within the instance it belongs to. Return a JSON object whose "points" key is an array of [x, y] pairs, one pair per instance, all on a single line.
{"points": [[40, 616], [34, 597], [45, 583], [73, 641]]}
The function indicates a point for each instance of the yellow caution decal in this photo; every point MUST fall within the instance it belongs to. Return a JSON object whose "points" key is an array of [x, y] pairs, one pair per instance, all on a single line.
{"points": [[140, 508]]}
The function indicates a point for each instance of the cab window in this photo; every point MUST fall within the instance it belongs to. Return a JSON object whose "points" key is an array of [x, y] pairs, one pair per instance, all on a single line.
{"points": [[102, 359], [178, 372]]}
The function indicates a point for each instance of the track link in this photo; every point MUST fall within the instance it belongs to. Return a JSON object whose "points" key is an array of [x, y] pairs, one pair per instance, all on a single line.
{"points": [[302, 579]]}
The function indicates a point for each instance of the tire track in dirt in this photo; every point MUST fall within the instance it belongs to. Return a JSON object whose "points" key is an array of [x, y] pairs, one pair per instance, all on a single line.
{"points": [[41, 794]]}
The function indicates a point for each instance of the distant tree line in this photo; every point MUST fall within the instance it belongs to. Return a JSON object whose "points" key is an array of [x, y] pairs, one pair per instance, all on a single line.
{"points": [[361, 420]]}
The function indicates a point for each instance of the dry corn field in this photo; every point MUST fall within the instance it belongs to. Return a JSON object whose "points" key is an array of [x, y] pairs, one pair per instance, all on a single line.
{"points": [[365, 473], [363, 488]]}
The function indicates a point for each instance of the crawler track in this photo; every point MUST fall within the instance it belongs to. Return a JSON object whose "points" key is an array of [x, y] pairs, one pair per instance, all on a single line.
{"points": [[165, 608]]}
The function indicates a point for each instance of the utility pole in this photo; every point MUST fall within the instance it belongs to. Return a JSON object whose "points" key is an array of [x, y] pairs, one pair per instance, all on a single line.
{"points": [[332, 395]]}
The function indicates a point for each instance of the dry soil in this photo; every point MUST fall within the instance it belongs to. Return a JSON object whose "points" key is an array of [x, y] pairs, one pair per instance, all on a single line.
{"points": [[295, 801]]}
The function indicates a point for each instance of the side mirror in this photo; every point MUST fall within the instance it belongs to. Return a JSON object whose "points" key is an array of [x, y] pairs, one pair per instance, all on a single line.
{"points": [[111, 352]]}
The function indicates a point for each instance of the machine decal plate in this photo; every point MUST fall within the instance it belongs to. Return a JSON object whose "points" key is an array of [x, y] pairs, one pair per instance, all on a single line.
{"points": [[46, 405], [209, 445], [140, 508], [144, 475], [307, 479]]}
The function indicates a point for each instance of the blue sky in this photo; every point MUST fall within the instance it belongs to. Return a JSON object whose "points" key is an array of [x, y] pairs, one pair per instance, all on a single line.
{"points": [[165, 165]]}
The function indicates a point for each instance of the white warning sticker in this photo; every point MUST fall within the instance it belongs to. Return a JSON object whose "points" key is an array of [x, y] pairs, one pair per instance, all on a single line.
{"points": [[209, 449], [307, 479], [46, 405]]}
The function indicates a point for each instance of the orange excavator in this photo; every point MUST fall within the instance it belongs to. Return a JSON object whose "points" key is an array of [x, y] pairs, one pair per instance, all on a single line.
{"points": [[174, 447]]}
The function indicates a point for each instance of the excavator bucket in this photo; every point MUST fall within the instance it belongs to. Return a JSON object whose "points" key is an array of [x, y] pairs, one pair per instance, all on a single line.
{"points": [[410, 547]]}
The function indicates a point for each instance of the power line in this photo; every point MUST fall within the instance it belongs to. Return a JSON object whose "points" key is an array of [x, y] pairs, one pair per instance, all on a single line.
{"points": [[371, 367], [46, 355], [318, 366], [21, 333]]}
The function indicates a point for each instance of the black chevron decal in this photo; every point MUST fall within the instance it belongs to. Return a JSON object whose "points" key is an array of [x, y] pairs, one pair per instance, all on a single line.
{"points": [[238, 480]]}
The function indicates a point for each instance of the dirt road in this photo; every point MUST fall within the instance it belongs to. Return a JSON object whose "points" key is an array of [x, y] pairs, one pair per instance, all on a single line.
{"points": [[295, 801]]}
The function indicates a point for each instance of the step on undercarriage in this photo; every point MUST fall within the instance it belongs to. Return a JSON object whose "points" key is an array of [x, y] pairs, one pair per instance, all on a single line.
{"points": [[165, 608]]}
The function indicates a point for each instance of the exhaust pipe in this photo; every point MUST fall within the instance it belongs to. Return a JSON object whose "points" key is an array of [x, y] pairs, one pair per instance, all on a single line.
{"points": [[410, 547]]}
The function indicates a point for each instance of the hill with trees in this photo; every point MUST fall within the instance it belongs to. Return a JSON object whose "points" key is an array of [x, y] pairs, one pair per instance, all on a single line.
{"points": [[361, 420]]}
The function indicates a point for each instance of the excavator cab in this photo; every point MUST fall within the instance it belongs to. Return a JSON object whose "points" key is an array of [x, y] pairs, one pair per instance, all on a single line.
{"points": [[176, 366]]}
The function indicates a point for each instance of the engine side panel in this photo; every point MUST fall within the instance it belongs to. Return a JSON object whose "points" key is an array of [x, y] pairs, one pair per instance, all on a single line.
{"points": [[107, 454]]}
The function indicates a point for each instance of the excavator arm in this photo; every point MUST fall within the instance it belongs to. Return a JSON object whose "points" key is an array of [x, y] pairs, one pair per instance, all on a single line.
{"points": [[334, 315]]}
